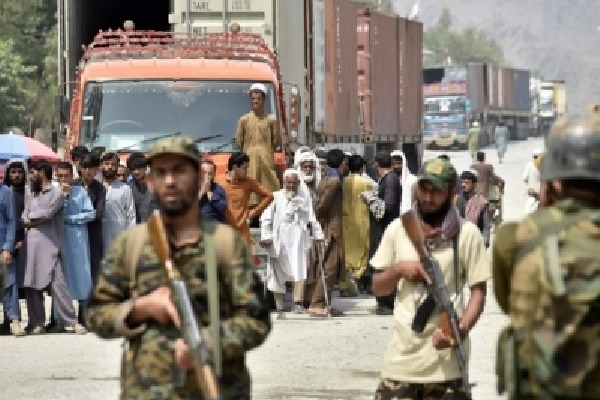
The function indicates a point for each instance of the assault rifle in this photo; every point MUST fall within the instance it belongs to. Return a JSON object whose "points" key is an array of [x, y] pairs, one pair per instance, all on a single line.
{"points": [[192, 335], [438, 296]]}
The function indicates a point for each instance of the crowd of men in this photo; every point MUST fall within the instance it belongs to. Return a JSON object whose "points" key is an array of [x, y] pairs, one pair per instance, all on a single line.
{"points": [[329, 225]]}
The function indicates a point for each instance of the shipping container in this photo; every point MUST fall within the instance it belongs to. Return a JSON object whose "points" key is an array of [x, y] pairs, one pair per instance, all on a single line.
{"points": [[476, 86], [385, 75], [341, 108], [507, 89], [521, 89], [79, 21], [363, 21], [206, 16], [410, 104]]}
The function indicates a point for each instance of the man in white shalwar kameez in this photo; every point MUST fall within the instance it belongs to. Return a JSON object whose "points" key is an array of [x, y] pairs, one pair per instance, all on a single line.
{"points": [[286, 231]]}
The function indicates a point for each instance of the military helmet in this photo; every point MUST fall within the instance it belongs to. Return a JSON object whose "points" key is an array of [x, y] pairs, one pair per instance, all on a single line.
{"points": [[178, 145], [573, 149]]}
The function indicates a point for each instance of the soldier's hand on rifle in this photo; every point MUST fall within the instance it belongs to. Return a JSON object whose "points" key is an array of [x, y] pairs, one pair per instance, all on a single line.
{"points": [[156, 306], [441, 341], [183, 358], [412, 271]]}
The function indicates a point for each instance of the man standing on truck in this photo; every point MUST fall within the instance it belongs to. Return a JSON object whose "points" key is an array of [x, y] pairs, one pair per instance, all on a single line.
{"points": [[258, 135]]}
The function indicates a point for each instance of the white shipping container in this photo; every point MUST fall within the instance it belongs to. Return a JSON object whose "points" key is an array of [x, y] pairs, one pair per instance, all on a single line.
{"points": [[206, 16]]}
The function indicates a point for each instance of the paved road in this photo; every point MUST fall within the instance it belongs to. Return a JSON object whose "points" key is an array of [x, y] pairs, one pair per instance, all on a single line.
{"points": [[302, 359]]}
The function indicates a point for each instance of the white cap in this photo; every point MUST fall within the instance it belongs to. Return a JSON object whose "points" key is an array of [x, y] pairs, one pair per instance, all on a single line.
{"points": [[538, 152], [258, 86], [397, 153], [475, 124], [348, 153]]}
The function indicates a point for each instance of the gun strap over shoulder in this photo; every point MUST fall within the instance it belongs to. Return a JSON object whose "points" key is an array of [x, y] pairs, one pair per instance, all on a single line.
{"points": [[210, 254], [135, 242]]}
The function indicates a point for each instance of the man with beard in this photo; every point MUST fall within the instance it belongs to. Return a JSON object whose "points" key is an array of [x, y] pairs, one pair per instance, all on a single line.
{"points": [[97, 193], [285, 232], [44, 218], [119, 210], [407, 179], [9, 288], [329, 212], [307, 164], [15, 177], [131, 300], [76, 246], [390, 193], [142, 196], [421, 365], [473, 206]]}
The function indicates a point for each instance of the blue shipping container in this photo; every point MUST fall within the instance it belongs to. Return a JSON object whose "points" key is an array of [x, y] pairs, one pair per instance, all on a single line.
{"points": [[521, 94]]}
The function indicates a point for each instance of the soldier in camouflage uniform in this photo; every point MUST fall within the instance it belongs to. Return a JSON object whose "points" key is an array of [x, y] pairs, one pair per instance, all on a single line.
{"points": [[134, 303], [546, 275]]}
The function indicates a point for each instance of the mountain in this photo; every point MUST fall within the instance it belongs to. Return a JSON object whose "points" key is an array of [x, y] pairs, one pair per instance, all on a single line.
{"points": [[558, 38]]}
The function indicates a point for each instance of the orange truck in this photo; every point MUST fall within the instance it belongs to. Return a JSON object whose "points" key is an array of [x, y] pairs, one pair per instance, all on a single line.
{"points": [[134, 87]]}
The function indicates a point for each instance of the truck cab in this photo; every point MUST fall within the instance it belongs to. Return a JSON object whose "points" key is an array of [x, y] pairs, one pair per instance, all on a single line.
{"points": [[135, 87]]}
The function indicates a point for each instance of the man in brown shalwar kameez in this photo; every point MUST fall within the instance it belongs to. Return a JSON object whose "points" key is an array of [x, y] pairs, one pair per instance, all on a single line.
{"points": [[258, 135]]}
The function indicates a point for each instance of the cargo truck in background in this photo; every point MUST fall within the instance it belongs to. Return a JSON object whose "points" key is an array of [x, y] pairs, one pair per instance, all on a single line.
{"points": [[358, 71], [456, 95], [552, 104]]}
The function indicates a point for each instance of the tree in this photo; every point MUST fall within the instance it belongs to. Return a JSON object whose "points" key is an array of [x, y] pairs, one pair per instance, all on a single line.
{"points": [[15, 90], [470, 44], [28, 29]]}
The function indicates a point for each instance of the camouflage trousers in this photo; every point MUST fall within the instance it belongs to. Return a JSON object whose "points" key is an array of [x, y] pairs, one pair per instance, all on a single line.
{"points": [[394, 390]]}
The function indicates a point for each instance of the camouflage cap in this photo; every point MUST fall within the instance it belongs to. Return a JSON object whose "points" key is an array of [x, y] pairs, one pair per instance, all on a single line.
{"points": [[439, 172], [179, 145]]}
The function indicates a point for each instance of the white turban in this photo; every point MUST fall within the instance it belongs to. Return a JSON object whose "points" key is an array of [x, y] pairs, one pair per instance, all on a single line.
{"points": [[407, 180], [258, 86], [303, 156]]}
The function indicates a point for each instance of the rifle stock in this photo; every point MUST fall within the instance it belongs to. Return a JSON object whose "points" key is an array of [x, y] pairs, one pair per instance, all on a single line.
{"points": [[192, 335], [438, 290]]}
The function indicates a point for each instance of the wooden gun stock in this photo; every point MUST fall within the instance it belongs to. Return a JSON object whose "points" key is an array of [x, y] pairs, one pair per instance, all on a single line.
{"points": [[189, 326]]}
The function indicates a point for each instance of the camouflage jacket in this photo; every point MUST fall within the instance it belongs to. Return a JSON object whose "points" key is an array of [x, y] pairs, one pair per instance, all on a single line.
{"points": [[553, 300], [148, 359]]}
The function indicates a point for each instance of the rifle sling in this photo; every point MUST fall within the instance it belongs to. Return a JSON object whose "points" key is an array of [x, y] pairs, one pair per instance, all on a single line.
{"points": [[210, 255]]}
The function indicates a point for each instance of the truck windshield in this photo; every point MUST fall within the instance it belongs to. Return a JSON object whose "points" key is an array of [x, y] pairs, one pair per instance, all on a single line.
{"points": [[119, 114], [445, 105]]}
